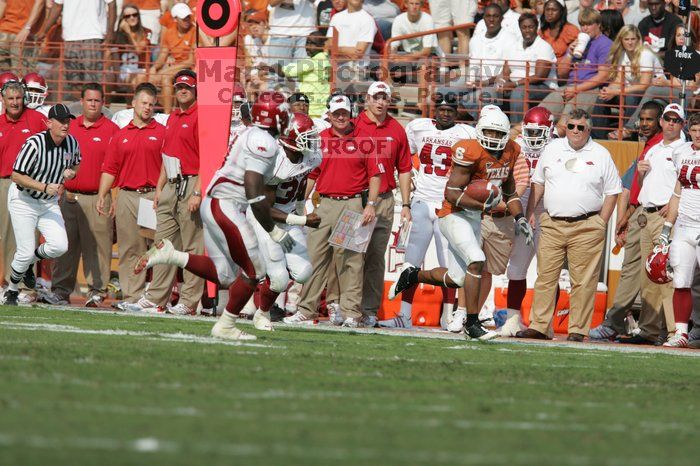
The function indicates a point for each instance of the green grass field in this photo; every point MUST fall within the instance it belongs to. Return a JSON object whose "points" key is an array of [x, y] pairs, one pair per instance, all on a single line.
{"points": [[80, 388]]}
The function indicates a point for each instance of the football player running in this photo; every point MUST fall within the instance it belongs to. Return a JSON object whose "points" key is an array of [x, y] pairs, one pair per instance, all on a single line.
{"points": [[235, 260], [536, 131], [298, 155], [432, 141], [684, 211], [492, 158]]}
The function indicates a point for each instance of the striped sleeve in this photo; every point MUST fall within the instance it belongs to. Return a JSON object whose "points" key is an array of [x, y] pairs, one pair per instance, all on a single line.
{"points": [[521, 172], [75, 150], [27, 157]]}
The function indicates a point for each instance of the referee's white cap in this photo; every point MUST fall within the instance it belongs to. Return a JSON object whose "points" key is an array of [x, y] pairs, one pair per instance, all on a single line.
{"points": [[60, 112]]}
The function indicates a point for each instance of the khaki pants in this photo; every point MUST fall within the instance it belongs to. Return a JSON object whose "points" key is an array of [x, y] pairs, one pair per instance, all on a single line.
{"points": [[629, 284], [375, 257], [497, 236], [348, 264], [582, 244], [13, 55], [7, 235], [131, 244], [90, 236], [655, 298], [184, 229], [554, 102]]}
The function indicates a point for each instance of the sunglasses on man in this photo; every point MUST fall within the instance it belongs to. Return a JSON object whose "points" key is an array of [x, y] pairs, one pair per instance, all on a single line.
{"points": [[571, 127], [671, 119]]}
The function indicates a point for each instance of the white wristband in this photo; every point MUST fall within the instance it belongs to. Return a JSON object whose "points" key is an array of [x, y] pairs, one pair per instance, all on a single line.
{"points": [[296, 219], [277, 233]]}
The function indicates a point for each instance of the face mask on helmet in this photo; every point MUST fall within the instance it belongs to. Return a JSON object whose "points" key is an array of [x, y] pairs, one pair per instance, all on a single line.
{"points": [[305, 141], [34, 98], [497, 121], [535, 136]]}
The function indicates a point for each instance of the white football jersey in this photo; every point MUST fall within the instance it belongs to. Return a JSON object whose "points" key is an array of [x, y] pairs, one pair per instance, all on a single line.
{"points": [[290, 178], [531, 156], [434, 150], [237, 128], [687, 162], [254, 150]]}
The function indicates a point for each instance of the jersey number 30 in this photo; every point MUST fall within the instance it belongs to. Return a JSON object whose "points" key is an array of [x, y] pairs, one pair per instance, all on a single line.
{"points": [[437, 161]]}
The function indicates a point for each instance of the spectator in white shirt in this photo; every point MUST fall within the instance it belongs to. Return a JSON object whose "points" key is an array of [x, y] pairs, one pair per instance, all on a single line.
{"points": [[447, 13], [579, 183], [356, 29], [510, 20], [290, 22], [413, 21], [539, 58]]}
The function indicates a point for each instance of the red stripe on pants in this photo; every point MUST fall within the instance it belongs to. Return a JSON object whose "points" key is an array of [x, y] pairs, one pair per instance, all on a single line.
{"points": [[236, 246]]}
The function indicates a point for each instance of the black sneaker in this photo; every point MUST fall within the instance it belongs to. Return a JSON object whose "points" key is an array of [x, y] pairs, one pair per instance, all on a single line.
{"points": [[407, 279], [29, 278], [277, 313], [11, 298], [477, 331]]}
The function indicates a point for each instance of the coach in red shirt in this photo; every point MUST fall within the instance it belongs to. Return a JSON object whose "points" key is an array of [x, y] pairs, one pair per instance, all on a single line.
{"points": [[389, 145], [177, 200], [16, 125], [132, 164], [89, 234], [344, 179]]}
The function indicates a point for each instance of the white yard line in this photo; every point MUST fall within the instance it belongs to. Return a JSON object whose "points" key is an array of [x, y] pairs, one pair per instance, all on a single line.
{"points": [[534, 346]]}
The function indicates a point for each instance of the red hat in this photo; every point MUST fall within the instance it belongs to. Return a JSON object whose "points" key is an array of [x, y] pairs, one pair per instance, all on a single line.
{"points": [[185, 79]]}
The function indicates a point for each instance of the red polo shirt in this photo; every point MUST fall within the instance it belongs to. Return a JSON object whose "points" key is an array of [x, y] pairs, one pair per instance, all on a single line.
{"points": [[14, 133], [182, 139], [389, 145], [94, 142], [635, 188], [344, 170], [134, 156]]}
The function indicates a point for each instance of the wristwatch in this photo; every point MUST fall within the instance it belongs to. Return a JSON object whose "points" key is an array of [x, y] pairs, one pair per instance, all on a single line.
{"points": [[372, 203], [197, 193]]}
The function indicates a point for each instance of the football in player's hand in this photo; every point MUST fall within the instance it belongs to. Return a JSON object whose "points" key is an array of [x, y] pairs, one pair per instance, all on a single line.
{"points": [[480, 190]]}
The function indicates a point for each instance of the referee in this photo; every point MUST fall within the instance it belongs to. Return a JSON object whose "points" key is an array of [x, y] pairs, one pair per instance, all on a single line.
{"points": [[45, 160]]}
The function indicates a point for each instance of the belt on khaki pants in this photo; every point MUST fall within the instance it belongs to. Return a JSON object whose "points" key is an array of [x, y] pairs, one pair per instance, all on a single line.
{"points": [[578, 218], [140, 190], [651, 210]]}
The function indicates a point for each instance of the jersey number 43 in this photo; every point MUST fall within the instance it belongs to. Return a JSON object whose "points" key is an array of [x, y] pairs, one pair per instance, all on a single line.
{"points": [[436, 159]]}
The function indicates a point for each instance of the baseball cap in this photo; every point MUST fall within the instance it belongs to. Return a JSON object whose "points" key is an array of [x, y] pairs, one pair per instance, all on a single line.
{"points": [[340, 102], [60, 112], [185, 79], [297, 97], [180, 10], [489, 108], [448, 99], [379, 87], [256, 16], [674, 108]]}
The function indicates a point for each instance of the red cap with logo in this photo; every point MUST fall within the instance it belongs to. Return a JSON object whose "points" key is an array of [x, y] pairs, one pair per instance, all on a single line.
{"points": [[185, 79]]}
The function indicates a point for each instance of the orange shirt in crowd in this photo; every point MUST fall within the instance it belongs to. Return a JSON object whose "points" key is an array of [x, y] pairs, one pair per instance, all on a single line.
{"points": [[147, 4], [469, 153], [16, 15], [180, 47], [259, 5], [568, 34], [167, 20]]}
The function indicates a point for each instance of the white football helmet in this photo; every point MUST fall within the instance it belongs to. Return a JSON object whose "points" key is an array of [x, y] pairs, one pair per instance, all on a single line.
{"points": [[494, 120]]}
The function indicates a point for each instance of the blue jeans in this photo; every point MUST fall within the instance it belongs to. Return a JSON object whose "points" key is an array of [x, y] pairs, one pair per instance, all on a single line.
{"points": [[284, 48]]}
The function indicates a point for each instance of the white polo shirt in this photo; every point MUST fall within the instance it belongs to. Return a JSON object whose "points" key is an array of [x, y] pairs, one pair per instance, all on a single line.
{"points": [[658, 183], [486, 55], [540, 49], [83, 19], [576, 182], [352, 28]]}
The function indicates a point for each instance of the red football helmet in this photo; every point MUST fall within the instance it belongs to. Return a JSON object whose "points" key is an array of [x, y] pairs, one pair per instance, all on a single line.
{"points": [[302, 134], [657, 265], [7, 77], [271, 110], [36, 90], [537, 127]]}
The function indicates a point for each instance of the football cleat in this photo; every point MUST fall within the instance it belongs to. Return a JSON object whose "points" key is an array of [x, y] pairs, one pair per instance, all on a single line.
{"points": [[162, 252], [225, 329], [407, 279], [29, 278], [478, 332], [11, 298], [458, 319], [261, 321], [248, 310], [678, 340]]}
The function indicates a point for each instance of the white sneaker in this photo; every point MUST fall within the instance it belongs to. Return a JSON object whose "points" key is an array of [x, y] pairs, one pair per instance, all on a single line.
{"points": [[397, 322], [459, 317], [143, 305], [602, 332], [513, 323], [95, 300], [261, 321], [349, 322], [248, 310], [368, 321], [51, 298], [678, 340], [180, 310], [298, 318], [445, 319], [335, 315], [225, 329], [162, 252]]}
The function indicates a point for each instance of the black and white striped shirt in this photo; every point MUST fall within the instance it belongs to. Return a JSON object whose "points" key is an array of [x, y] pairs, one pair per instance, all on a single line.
{"points": [[42, 160]]}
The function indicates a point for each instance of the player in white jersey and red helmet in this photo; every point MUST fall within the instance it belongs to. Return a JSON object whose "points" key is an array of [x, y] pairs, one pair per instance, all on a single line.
{"points": [[684, 212], [537, 130], [36, 91], [298, 155], [240, 116], [235, 260], [431, 140]]}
